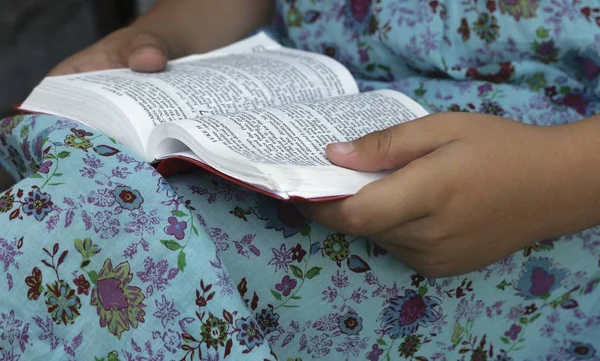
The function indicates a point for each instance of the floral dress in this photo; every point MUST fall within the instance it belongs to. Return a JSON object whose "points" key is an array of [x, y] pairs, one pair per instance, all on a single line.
{"points": [[104, 259]]}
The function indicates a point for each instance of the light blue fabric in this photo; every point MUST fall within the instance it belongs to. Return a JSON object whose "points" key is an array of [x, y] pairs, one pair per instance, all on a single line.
{"points": [[103, 259]]}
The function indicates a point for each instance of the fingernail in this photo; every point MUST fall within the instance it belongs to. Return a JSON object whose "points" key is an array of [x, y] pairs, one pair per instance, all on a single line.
{"points": [[342, 148], [146, 50]]}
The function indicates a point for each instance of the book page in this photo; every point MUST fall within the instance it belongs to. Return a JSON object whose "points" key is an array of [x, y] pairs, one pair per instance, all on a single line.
{"points": [[287, 140], [219, 84], [297, 134]]}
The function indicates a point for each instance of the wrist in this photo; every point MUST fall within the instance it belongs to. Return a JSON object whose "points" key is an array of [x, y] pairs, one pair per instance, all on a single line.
{"points": [[199, 26], [573, 151]]}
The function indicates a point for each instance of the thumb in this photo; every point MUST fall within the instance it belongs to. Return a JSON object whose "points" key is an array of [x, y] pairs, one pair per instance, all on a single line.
{"points": [[146, 53], [393, 147]]}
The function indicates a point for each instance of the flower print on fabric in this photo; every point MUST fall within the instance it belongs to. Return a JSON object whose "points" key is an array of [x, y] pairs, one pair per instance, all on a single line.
{"points": [[86, 248], [174, 281], [358, 16], [282, 257], [286, 286], [336, 247], [157, 275], [350, 324], [7, 125], [406, 313], [249, 333], [128, 198], [176, 228], [214, 332], [486, 27], [538, 278], [62, 302], [582, 351], [34, 283], [37, 204], [166, 311], [78, 142], [518, 9], [6, 202], [118, 303], [268, 320]]}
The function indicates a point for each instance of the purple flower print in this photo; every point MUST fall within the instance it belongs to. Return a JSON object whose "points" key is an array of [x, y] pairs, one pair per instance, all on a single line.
{"points": [[363, 55], [93, 161], [357, 15], [538, 278], [10, 327], [120, 172], [46, 331], [45, 167], [282, 257], [340, 280], [286, 286], [375, 353], [165, 311], [175, 228], [513, 332], [329, 294], [406, 313], [118, 302], [328, 322], [8, 254], [484, 89], [515, 312], [352, 346], [158, 275], [101, 197], [105, 225], [143, 222], [359, 295]]}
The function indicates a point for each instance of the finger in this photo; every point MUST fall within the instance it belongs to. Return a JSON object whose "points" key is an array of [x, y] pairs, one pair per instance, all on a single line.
{"points": [[146, 53], [407, 256], [405, 195], [86, 62], [79, 63], [393, 147]]}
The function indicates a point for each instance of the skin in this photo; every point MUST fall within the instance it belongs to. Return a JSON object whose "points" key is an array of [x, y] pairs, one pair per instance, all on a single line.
{"points": [[471, 190]]}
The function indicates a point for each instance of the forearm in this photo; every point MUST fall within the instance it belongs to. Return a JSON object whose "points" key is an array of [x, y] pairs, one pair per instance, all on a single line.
{"points": [[198, 26]]}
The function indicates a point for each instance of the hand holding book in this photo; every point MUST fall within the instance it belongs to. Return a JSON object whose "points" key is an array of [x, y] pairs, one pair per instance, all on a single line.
{"points": [[475, 188]]}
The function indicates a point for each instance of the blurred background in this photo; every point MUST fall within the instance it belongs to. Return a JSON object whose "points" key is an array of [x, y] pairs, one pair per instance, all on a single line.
{"points": [[35, 35]]}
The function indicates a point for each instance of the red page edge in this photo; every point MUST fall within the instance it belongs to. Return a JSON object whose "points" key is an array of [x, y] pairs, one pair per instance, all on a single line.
{"points": [[179, 164]]}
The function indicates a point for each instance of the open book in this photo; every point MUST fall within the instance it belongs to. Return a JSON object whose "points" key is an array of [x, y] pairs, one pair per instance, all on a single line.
{"points": [[254, 112]]}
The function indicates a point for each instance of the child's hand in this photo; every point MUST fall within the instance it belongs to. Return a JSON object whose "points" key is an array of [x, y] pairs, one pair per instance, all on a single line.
{"points": [[171, 29], [474, 189], [125, 48]]}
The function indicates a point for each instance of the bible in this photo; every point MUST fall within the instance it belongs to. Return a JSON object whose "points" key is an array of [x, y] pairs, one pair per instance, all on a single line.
{"points": [[254, 112]]}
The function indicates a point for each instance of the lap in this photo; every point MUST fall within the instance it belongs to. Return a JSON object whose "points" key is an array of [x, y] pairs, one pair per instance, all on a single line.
{"points": [[102, 257]]}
